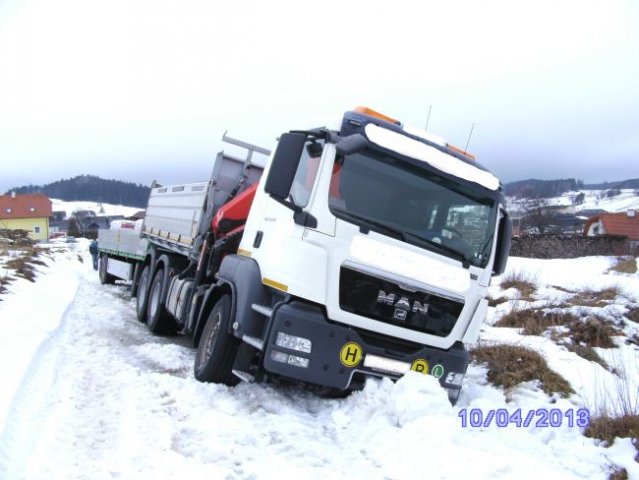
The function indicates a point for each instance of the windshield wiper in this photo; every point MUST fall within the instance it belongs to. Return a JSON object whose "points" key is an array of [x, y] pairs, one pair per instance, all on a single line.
{"points": [[366, 224], [430, 245]]}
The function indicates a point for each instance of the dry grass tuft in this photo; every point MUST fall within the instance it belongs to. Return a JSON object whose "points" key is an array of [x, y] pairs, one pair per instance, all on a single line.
{"points": [[618, 473], [535, 322], [24, 265], [633, 314], [510, 365], [5, 280], [23, 268], [493, 302], [595, 298], [627, 265], [561, 289], [587, 353], [592, 332], [526, 284], [607, 428]]}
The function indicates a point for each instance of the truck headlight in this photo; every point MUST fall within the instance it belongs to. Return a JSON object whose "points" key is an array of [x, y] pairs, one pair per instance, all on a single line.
{"points": [[300, 344]]}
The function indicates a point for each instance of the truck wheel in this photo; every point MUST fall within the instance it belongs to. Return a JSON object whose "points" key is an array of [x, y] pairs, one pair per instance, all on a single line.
{"points": [[217, 349], [105, 278], [143, 293], [158, 320], [135, 283]]}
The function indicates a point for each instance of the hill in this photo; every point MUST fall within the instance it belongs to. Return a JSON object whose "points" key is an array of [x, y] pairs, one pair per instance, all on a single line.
{"points": [[92, 188], [533, 188]]}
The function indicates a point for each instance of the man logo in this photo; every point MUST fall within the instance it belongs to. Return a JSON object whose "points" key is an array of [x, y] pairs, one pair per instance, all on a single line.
{"points": [[402, 303]]}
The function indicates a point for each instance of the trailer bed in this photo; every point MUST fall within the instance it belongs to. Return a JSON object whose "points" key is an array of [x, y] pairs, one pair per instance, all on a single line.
{"points": [[123, 242]]}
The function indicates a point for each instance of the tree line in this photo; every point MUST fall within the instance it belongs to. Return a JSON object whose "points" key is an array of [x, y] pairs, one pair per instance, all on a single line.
{"points": [[92, 188]]}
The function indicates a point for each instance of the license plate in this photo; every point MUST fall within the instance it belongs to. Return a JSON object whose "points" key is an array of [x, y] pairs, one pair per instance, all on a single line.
{"points": [[388, 365]]}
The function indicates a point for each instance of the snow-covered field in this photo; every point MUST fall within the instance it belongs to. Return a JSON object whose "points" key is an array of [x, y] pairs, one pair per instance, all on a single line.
{"points": [[98, 208], [88, 393], [626, 199]]}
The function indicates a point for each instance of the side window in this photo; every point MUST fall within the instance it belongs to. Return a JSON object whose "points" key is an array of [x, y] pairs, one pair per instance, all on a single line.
{"points": [[37, 229], [470, 222], [306, 173]]}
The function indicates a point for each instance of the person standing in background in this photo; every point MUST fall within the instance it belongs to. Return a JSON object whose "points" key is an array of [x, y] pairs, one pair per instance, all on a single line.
{"points": [[93, 248]]}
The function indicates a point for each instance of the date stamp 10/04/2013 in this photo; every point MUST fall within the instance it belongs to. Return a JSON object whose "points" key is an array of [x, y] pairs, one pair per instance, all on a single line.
{"points": [[541, 417]]}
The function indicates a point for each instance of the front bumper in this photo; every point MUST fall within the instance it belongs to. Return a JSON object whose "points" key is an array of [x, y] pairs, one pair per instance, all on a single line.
{"points": [[338, 352]]}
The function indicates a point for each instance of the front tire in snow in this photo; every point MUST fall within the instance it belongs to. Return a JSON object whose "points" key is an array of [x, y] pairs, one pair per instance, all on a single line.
{"points": [[218, 348]]}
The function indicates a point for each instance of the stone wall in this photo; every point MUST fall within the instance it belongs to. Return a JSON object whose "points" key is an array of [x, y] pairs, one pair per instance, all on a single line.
{"points": [[569, 246]]}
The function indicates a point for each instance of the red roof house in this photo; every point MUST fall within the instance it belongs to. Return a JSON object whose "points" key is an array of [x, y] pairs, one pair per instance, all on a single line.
{"points": [[625, 224], [29, 212]]}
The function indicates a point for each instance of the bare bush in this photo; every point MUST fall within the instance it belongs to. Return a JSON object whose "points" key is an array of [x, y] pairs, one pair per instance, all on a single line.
{"points": [[608, 428], [510, 365], [534, 322], [596, 298], [524, 282], [633, 314], [624, 265], [592, 332], [587, 353]]}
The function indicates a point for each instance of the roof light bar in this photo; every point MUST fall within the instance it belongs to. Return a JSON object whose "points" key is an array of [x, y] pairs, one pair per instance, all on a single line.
{"points": [[460, 151], [372, 113]]}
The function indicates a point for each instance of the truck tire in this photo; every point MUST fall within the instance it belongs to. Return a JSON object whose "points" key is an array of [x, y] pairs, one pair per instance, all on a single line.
{"points": [[105, 278], [218, 348], [135, 282], [143, 293], [158, 320]]}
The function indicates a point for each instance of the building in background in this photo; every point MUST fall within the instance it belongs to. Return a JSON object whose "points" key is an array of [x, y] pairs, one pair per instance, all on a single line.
{"points": [[28, 212], [624, 224]]}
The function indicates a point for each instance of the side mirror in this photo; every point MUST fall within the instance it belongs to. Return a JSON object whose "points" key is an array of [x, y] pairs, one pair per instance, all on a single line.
{"points": [[284, 165], [503, 244], [351, 144]]}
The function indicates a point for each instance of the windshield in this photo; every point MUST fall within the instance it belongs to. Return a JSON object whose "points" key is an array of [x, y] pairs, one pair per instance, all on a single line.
{"points": [[388, 195]]}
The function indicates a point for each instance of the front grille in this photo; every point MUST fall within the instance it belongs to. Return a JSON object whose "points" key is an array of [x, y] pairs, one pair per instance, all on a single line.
{"points": [[384, 300]]}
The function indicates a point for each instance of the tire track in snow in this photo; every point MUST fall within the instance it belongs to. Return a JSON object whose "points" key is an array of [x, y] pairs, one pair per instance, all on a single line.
{"points": [[29, 405]]}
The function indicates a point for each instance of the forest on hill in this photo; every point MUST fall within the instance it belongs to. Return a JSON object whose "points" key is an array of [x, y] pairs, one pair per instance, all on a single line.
{"points": [[92, 188]]}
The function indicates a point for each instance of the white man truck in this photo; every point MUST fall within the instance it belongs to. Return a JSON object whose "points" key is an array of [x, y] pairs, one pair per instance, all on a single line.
{"points": [[362, 251]]}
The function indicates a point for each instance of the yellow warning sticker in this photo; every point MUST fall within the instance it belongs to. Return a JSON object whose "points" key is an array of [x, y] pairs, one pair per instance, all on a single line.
{"points": [[420, 365], [351, 354]]}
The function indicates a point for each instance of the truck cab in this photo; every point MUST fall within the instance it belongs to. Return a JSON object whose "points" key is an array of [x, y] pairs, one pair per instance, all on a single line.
{"points": [[367, 251]]}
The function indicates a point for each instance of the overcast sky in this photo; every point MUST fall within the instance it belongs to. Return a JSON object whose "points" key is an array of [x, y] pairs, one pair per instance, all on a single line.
{"points": [[144, 89]]}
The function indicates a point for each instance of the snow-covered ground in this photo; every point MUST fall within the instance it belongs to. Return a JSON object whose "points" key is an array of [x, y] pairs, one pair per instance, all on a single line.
{"points": [[90, 394], [626, 199], [98, 208]]}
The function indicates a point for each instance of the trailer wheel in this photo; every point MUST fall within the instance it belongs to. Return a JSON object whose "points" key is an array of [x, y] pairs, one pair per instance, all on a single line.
{"points": [[105, 278], [143, 293], [218, 348], [158, 320], [135, 282]]}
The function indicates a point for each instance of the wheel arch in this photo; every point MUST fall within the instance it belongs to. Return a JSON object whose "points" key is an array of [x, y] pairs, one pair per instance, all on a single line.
{"points": [[241, 277], [212, 295]]}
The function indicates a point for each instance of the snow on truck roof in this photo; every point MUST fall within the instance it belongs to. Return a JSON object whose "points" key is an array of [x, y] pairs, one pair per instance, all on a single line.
{"points": [[420, 151]]}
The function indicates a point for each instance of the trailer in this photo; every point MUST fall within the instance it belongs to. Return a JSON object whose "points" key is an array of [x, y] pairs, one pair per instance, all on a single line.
{"points": [[350, 253], [120, 249]]}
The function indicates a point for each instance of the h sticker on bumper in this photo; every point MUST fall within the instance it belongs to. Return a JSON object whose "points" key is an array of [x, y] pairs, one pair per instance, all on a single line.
{"points": [[351, 354]]}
